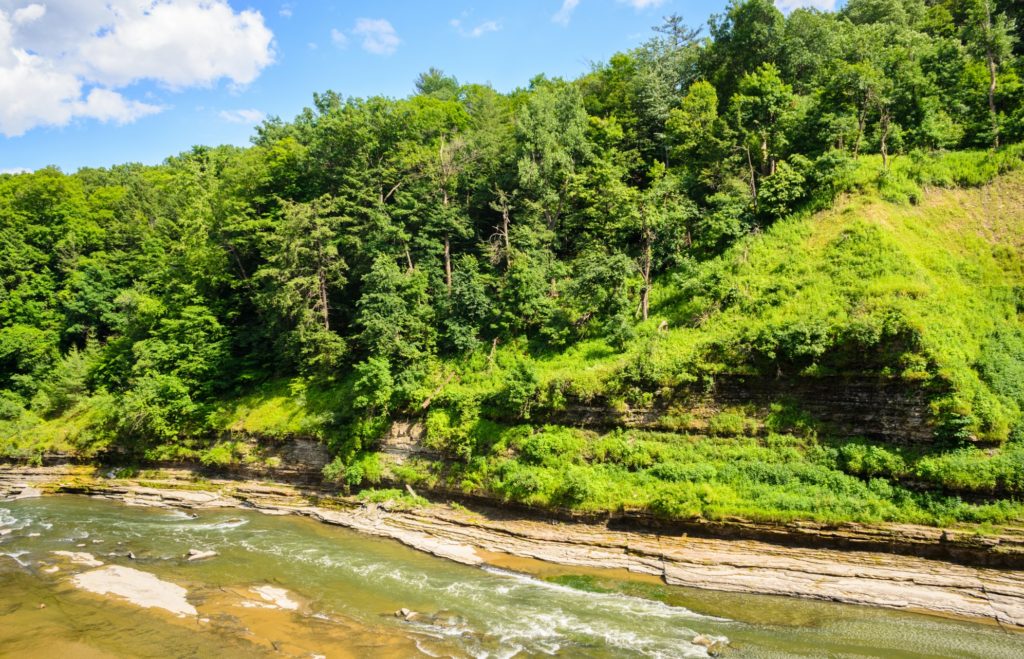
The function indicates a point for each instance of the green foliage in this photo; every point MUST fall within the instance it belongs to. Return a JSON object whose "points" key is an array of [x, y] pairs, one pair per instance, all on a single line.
{"points": [[392, 499], [519, 392], [364, 469], [729, 423], [789, 197], [223, 454]]}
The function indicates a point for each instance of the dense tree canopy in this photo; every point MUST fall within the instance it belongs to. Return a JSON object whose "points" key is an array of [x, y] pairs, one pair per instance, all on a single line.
{"points": [[371, 235]]}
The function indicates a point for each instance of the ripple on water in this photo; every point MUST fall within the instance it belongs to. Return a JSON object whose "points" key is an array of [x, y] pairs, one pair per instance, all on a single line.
{"points": [[226, 525], [16, 556]]}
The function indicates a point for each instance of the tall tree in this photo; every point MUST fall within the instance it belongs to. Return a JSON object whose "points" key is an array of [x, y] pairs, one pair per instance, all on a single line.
{"points": [[990, 36], [303, 273]]}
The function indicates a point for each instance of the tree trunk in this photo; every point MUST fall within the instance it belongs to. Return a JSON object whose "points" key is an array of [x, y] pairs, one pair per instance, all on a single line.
{"points": [[862, 119], [753, 179], [325, 311], [447, 242], [993, 71], [448, 264], [885, 136], [645, 272], [504, 232]]}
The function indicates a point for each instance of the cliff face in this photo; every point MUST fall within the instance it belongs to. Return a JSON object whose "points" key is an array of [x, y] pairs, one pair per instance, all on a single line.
{"points": [[875, 408]]}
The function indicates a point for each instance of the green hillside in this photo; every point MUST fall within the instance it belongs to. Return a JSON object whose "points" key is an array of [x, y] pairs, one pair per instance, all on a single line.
{"points": [[925, 291], [769, 269]]}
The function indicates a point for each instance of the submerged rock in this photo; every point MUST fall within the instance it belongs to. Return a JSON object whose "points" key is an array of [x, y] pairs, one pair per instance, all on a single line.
{"points": [[79, 558], [198, 555], [138, 587], [406, 614], [279, 597], [29, 493], [713, 644]]}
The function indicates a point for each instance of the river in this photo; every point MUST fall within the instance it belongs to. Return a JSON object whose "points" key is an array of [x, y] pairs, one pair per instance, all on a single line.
{"points": [[288, 586]]}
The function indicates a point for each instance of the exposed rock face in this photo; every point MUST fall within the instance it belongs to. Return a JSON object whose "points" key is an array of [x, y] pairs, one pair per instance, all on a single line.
{"points": [[405, 440], [296, 458], [878, 408]]}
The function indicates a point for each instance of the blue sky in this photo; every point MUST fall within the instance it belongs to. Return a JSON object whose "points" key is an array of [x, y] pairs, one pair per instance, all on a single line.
{"points": [[100, 82]]}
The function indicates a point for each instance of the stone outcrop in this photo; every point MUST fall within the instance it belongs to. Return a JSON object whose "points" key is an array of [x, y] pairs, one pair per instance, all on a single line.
{"points": [[877, 408], [295, 458], [404, 440]]}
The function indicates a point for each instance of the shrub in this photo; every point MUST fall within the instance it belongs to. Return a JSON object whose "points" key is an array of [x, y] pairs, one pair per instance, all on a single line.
{"points": [[871, 460], [520, 390], [729, 424], [675, 472]]}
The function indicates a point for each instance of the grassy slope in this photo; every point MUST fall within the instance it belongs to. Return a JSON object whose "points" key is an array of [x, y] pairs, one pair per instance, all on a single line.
{"points": [[875, 284], [812, 295]]}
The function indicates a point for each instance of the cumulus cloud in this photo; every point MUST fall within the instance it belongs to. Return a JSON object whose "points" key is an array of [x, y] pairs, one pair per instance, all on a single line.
{"points": [[14, 170], [107, 105], [379, 36], [789, 5], [244, 116], [29, 13], [564, 15], [477, 31], [338, 38], [181, 44], [66, 60]]}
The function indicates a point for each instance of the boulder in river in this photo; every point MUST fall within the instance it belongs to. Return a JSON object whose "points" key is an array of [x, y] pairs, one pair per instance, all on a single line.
{"points": [[29, 492], [198, 555], [406, 614], [713, 644]]}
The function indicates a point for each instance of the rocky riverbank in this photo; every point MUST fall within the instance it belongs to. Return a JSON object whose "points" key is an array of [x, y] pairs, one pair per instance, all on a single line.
{"points": [[478, 535]]}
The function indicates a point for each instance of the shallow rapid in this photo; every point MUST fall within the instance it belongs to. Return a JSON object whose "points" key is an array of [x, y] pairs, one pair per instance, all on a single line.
{"points": [[290, 586]]}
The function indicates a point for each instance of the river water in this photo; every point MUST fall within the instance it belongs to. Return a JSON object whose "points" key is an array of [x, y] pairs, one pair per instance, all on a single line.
{"points": [[287, 586]]}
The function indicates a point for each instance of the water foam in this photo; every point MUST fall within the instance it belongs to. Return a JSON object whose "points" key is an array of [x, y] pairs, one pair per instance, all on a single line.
{"points": [[627, 604], [16, 555]]}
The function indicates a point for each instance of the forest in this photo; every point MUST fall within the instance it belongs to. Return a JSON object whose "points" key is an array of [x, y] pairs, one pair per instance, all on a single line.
{"points": [[473, 257]]}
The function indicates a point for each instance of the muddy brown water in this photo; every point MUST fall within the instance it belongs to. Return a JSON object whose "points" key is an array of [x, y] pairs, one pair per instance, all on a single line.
{"points": [[337, 592]]}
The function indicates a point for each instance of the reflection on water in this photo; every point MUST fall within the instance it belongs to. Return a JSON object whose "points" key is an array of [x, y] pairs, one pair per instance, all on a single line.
{"points": [[289, 586]]}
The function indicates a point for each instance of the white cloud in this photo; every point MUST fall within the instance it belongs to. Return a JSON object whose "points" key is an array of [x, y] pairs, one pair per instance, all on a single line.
{"points": [[642, 4], [107, 105], [338, 38], [29, 13], [286, 10], [244, 116], [68, 60], [789, 5], [477, 31], [181, 44], [379, 36], [14, 170], [564, 15]]}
